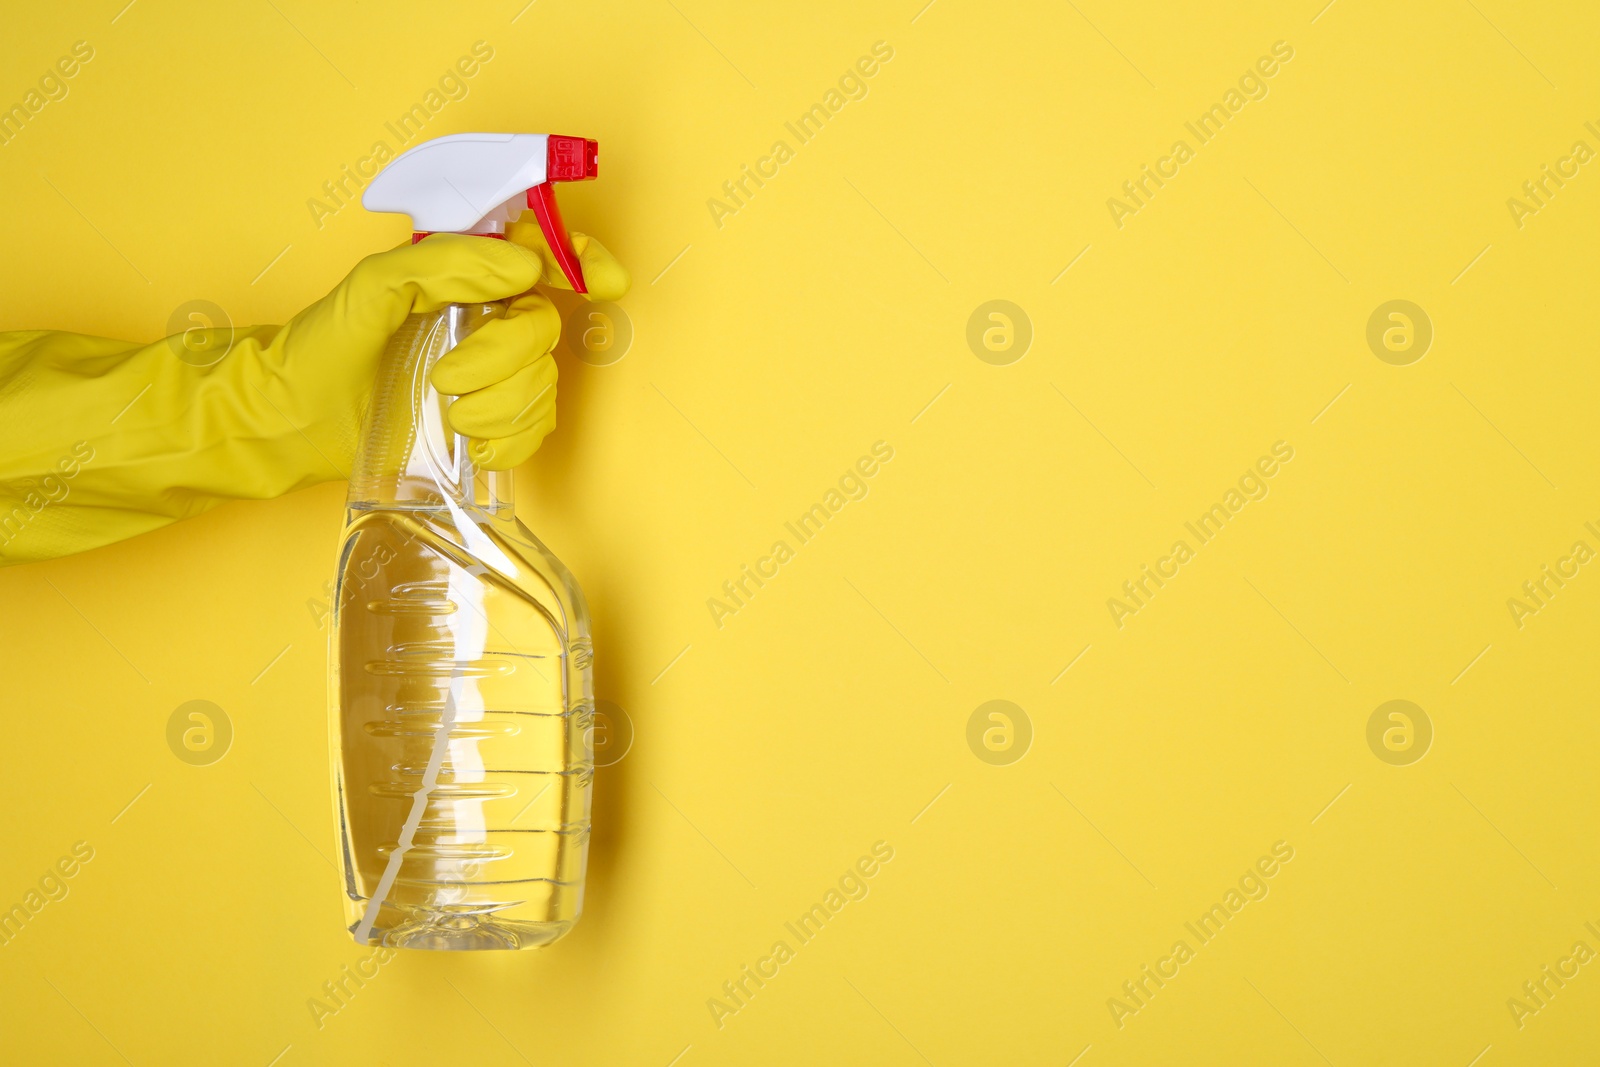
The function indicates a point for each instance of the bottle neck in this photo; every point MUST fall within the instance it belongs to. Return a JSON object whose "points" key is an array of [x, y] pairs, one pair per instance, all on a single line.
{"points": [[409, 458]]}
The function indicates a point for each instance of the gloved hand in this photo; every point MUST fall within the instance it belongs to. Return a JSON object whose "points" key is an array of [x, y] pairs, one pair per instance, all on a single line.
{"points": [[503, 374], [101, 440]]}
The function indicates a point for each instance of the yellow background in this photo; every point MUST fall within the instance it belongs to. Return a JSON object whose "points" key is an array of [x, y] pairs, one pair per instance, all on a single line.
{"points": [[1229, 714]]}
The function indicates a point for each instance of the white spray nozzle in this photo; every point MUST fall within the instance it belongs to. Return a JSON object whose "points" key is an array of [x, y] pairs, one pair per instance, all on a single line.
{"points": [[478, 182]]}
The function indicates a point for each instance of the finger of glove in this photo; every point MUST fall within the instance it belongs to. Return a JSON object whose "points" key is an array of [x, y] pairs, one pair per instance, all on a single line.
{"points": [[503, 453], [499, 348], [441, 269], [507, 407], [603, 275]]}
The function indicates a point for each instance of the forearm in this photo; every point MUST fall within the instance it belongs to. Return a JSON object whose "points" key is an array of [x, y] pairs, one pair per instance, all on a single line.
{"points": [[101, 440]]}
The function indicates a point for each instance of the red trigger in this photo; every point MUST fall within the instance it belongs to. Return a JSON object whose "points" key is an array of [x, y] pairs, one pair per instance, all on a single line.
{"points": [[567, 159], [542, 199]]}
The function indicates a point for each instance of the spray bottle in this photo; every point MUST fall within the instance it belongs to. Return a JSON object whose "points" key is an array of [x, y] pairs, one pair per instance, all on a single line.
{"points": [[461, 687]]}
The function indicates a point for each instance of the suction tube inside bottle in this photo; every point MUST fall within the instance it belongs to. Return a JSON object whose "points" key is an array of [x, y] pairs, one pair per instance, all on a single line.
{"points": [[476, 488]]}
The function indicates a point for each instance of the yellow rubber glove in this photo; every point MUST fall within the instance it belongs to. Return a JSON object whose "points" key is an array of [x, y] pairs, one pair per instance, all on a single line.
{"points": [[101, 440]]}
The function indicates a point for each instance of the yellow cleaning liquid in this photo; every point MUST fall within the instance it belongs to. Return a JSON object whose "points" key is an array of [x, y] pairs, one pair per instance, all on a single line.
{"points": [[462, 690]]}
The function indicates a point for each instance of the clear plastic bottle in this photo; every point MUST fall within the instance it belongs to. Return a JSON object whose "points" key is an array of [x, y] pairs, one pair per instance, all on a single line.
{"points": [[461, 686]]}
